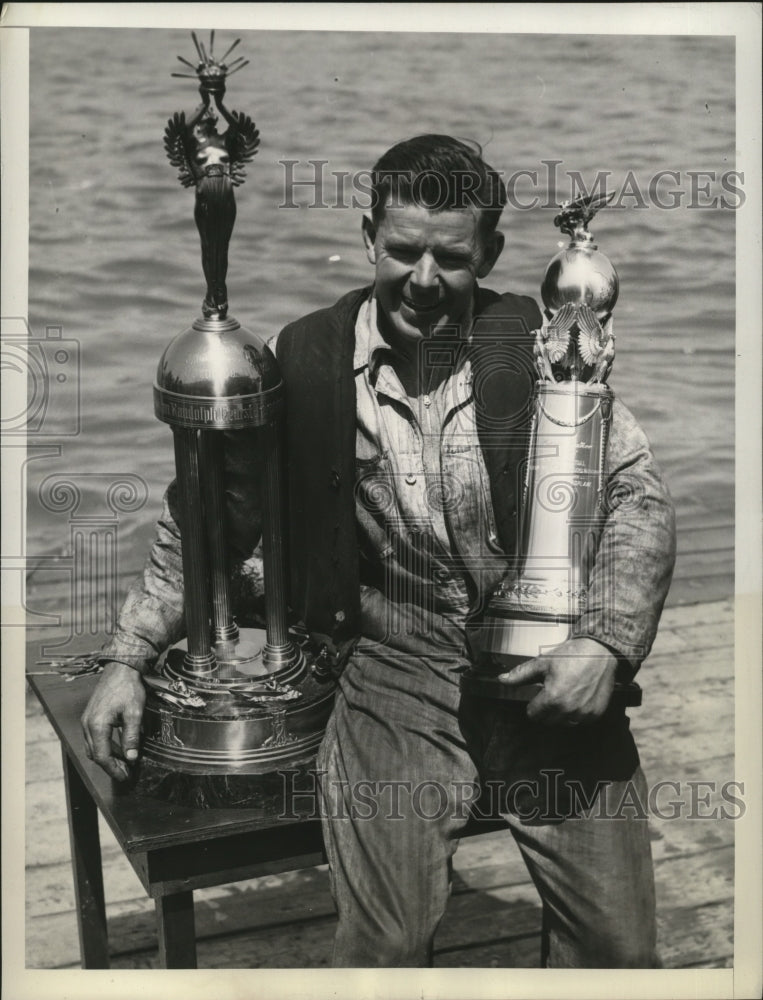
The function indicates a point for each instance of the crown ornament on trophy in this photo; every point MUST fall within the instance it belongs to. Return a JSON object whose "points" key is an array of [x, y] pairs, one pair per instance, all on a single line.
{"points": [[539, 603], [228, 700]]}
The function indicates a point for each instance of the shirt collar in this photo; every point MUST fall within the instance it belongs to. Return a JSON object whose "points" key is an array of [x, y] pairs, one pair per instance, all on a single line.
{"points": [[369, 342]]}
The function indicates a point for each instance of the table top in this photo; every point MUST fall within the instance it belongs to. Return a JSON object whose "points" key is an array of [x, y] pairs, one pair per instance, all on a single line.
{"points": [[139, 822]]}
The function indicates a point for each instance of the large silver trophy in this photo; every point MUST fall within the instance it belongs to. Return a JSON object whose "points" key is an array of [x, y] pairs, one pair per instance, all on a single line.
{"points": [[228, 700], [537, 606]]}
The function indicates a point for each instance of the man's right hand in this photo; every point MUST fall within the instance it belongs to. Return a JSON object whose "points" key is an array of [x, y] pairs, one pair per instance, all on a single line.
{"points": [[117, 701]]}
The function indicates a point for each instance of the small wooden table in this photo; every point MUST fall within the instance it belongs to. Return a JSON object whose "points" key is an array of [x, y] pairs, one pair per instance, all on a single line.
{"points": [[174, 849]]}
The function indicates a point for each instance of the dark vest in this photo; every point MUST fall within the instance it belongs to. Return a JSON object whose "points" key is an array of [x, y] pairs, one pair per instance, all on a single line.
{"points": [[316, 355]]}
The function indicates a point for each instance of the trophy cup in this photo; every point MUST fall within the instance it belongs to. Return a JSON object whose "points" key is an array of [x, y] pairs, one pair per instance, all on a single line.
{"points": [[537, 605], [227, 700]]}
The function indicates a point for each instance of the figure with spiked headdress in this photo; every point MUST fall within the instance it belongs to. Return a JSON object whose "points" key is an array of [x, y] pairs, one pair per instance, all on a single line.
{"points": [[213, 163]]}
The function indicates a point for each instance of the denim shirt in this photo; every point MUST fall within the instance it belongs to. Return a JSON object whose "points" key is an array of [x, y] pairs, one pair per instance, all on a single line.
{"points": [[426, 529], [427, 536]]}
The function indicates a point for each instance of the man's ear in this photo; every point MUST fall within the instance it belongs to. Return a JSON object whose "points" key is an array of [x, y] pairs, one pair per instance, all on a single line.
{"points": [[369, 236], [492, 251]]}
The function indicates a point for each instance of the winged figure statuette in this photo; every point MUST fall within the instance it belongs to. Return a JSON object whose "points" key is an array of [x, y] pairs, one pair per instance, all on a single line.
{"points": [[213, 163]]}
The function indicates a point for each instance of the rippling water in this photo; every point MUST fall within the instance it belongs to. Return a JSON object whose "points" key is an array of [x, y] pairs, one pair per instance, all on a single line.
{"points": [[114, 256]]}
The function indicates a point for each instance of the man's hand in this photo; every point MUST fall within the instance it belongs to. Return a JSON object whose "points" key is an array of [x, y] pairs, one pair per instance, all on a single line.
{"points": [[117, 701], [578, 679]]}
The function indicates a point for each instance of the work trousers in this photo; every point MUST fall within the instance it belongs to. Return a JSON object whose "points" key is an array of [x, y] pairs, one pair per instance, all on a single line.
{"points": [[401, 764]]}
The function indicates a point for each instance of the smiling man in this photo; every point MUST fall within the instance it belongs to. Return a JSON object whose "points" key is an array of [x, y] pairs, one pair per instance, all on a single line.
{"points": [[403, 503], [426, 265]]}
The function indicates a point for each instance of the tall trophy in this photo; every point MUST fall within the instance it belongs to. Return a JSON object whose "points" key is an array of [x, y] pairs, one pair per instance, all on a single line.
{"points": [[227, 700], [538, 604]]}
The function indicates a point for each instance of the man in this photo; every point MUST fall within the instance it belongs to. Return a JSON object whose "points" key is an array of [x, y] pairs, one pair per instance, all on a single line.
{"points": [[403, 504]]}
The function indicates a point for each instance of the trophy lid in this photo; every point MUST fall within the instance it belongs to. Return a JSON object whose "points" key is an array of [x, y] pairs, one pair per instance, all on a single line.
{"points": [[580, 273], [217, 359]]}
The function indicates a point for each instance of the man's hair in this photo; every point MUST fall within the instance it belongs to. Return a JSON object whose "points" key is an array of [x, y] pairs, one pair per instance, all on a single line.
{"points": [[438, 172]]}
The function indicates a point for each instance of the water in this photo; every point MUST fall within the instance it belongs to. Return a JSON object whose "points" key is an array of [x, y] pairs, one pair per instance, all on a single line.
{"points": [[114, 256]]}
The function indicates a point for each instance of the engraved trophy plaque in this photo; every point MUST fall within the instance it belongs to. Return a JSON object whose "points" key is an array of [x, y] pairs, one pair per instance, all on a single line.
{"points": [[537, 606], [227, 700]]}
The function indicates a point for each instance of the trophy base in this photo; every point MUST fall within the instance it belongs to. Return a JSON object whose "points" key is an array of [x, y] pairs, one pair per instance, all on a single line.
{"points": [[291, 792], [243, 719], [236, 663], [505, 640]]}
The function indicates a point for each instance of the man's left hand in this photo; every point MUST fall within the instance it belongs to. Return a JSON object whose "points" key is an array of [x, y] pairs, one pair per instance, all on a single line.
{"points": [[578, 678]]}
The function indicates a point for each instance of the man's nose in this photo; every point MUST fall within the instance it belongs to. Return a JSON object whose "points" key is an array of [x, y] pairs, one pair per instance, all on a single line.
{"points": [[426, 272]]}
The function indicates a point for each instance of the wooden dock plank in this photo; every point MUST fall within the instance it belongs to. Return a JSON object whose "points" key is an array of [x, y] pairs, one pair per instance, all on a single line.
{"points": [[667, 749], [521, 952], [701, 586], [684, 641], [302, 946], [480, 929], [694, 935], [49, 888], [707, 539], [697, 938], [45, 802], [272, 902], [706, 636], [716, 561], [695, 879], [708, 611], [43, 758], [38, 728], [497, 918], [46, 846]]}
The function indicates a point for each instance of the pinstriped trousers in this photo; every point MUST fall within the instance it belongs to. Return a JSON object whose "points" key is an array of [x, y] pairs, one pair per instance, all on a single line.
{"points": [[400, 766]]}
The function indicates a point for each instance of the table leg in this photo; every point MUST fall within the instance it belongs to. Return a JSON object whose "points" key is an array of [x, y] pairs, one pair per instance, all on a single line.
{"points": [[177, 930], [88, 872]]}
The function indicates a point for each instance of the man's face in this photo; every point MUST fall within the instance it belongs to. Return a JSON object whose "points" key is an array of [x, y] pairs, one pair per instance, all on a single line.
{"points": [[426, 266]]}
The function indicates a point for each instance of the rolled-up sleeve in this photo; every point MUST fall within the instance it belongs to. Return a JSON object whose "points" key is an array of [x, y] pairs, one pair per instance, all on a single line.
{"points": [[151, 618], [633, 567]]}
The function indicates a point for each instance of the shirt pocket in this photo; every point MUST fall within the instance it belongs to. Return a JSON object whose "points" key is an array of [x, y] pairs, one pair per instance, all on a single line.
{"points": [[471, 517], [374, 488]]}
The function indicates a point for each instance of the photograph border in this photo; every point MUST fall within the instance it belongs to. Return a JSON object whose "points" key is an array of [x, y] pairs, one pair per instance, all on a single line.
{"points": [[742, 20]]}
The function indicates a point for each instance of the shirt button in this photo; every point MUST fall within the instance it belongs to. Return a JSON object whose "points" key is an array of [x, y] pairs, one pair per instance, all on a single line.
{"points": [[410, 479]]}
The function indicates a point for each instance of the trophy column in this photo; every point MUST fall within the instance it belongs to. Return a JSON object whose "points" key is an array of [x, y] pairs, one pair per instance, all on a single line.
{"points": [[199, 659]]}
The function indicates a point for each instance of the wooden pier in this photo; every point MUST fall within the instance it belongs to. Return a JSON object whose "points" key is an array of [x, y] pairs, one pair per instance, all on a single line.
{"points": [[685, 734]]}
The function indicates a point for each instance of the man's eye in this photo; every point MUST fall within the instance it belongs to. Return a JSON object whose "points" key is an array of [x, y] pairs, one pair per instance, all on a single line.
{"points": [[452, 261], [407, 254]]}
